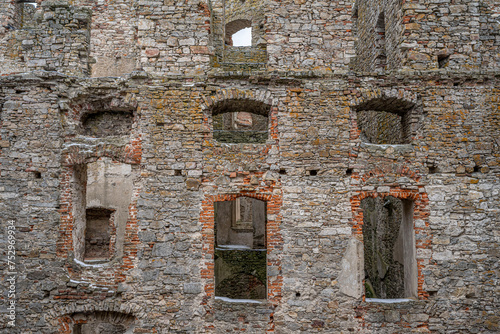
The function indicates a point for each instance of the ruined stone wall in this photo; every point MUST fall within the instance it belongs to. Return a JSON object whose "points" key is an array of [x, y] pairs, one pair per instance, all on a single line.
{"points": [[57, 41], [182, 169], [374, 39], [432, 30], [313, 171], [113, 39], [309, 35], [173, 36]]}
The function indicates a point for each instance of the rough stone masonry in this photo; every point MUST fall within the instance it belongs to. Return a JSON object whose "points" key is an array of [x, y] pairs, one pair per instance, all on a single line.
{"points": [[341, 174]]}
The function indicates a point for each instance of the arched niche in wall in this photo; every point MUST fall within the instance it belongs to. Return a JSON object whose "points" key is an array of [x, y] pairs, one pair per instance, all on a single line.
{"points": [[98, 322], [386, 120], [108, 117], [241, 121]]}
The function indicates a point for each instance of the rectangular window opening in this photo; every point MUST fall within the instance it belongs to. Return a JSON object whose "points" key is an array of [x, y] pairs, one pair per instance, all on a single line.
{"points": [[240, 249], [389, 248], [240, 127], [100, 192]]}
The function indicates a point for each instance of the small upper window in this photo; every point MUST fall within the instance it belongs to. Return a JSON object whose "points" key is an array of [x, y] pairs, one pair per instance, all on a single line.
{"points": [[242, 37], [239, 33]]}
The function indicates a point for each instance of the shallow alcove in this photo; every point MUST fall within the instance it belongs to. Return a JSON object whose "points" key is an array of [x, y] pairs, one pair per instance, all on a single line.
{"points": [[107, 123], [99, 224]]}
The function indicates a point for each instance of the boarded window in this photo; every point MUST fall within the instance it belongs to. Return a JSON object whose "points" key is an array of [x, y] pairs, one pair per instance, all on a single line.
{"points": [[98, 233], [389, 248], [241, 121], [240, 250]]}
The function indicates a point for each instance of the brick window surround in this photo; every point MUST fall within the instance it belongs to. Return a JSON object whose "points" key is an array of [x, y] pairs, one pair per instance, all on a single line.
{"points": [[420, 224], [273, 242]]}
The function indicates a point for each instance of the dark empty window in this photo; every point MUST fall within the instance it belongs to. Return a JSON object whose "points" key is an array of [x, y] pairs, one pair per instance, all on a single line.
{"points": [[381, 60], [98, 234], [241, 121], [389, 248], [443, 61], [107, 123], [240, 249], [385, 121]]}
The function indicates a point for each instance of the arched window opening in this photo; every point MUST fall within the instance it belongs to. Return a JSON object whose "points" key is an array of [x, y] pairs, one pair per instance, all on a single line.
{"points": [[241, 121], [385, 121], [239, 33], [381, 60], [240, 249], [242, 37], [389, 248], [101, 322]]}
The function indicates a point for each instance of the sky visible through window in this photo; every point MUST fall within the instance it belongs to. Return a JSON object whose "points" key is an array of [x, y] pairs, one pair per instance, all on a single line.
{"points": [[243, 37]]}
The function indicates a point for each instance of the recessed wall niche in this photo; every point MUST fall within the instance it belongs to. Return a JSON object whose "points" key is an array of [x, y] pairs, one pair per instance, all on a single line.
{"points": [[107, 123], [103, 117]]}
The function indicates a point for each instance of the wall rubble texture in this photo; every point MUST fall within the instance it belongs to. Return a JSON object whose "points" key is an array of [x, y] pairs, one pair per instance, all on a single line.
{"points": [[154, 60]]}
